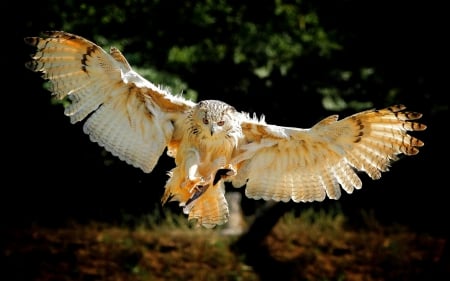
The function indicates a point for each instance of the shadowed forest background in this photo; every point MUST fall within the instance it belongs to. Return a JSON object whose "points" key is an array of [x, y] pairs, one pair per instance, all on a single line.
{"points": [[296, 62]]}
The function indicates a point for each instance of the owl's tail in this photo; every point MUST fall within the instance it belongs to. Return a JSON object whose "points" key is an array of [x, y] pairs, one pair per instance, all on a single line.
{"points": [[210, 208], [205, 204]]}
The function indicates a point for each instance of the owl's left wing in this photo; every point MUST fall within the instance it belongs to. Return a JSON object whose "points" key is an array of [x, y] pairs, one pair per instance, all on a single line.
{"points": [[125, 113], [282, 163]]}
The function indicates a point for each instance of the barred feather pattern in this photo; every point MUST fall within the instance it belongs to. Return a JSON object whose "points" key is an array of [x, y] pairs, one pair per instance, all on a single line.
{"points": [[313, 164], [120, 119], [210, 141], [212, 209]]}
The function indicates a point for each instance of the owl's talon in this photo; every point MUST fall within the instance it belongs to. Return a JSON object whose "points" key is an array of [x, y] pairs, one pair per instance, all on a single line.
{"points": [[197, 183], [195, 188], [199, 190], [225, 172], [231, 170], [205, 137]]}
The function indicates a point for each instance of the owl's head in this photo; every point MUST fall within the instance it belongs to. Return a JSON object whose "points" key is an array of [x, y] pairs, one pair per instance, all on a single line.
{"points": [[214, 118]]}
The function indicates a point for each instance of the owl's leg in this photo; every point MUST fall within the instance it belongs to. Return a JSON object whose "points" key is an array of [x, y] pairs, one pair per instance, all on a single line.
{"points": [[194, 180], [210, 173], [221, 163], [174, 190], [192, 160], [201, 174], [224, 172], [230, 170]]}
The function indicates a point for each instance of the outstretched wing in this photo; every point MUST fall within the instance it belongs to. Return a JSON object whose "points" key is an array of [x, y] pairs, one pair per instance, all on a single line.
{"points": [[283, 163], [126, 114]]}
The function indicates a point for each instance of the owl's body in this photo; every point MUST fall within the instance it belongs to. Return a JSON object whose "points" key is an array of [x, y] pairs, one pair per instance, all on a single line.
{"points": [[207, 148], [211, 142]]}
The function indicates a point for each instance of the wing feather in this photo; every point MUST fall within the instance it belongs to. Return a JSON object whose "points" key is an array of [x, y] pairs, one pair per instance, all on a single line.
{"points": [[126, 114], [311, 164], [136, 121]]}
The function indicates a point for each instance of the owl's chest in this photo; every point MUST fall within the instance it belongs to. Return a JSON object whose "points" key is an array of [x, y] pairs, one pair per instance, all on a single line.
{"points": [[208, 149]]}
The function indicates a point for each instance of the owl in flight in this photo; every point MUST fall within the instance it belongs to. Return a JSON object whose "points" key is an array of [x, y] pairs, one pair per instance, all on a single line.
{"points": [[210, 141]]}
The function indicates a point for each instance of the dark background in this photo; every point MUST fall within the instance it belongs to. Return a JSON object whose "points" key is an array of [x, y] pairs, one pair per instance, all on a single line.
{"points": [[52, 172]]}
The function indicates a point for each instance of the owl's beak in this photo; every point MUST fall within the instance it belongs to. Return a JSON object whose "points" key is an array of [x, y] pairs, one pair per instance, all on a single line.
{"points": [[214, 129]]}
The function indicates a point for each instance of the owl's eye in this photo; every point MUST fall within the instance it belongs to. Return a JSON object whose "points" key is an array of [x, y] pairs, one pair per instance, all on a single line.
{"points": [[220, 123], [205, 121]]}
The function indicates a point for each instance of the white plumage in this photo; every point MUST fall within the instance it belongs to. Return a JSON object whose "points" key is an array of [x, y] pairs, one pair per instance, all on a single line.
{"points": [[210, 140]]}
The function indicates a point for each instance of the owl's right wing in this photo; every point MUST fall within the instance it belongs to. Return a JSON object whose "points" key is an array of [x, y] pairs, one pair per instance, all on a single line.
{"points": [[282, 163], [126, 114]]}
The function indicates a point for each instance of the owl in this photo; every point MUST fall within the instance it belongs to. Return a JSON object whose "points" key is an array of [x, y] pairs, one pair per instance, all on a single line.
{"points": [[210, 141]]}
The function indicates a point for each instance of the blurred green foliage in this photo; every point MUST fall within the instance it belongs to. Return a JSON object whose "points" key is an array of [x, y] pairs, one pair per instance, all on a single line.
{"points": [[296, 61], [235, 51]]}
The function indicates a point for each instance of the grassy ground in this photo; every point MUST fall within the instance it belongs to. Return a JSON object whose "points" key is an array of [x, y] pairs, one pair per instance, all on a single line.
{"points": [[308, 247]]}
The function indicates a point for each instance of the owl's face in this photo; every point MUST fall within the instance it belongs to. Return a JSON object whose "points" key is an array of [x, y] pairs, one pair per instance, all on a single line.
{"points": [[214, 118]]}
